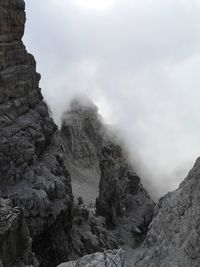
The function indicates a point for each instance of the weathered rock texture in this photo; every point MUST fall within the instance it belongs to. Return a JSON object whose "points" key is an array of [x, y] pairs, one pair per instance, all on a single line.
{"points": [[82, 134], [12, 20], [115, 258], [33, 166], [15, 242], [89, 235], [32, 163], [122, 199], [174, 235]]}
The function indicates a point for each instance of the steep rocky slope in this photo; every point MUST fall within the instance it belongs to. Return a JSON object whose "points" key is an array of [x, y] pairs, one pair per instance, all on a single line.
{"points": [[15, 241], [82, 135], [174, 235], [88, 234], [32, 163], [36, 162], [121, 200]]}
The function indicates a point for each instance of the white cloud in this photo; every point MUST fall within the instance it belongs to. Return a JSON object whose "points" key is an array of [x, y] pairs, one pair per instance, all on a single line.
{"points": [[97, 5], [139, 62]]}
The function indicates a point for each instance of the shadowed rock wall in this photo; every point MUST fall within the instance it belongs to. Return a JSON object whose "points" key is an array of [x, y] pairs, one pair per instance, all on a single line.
{"points": [[32, 162]]}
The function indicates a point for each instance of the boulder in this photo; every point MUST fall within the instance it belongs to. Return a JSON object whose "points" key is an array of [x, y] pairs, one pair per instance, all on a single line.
{"points": [[115, 258]]}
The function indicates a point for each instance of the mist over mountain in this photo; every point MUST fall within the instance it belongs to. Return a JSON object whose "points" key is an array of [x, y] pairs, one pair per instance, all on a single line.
{"points": [[83, 194], [138, 62]]}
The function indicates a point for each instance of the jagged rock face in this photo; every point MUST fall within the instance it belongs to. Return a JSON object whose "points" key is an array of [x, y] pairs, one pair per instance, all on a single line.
{"points": [[82, 131], [121, 200], [33, 165], [121, 192], [88, 234], [15, 242], [12, 50], [82, 136], [32, 162], [174, 235], [12, 20], [115, 258]]}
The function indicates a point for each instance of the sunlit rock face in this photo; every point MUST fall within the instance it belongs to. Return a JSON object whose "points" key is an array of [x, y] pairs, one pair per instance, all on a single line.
{"points": [[32, 162]]}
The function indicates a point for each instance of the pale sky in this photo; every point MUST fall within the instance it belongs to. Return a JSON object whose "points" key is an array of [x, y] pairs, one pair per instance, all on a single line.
{"points": [[139, 62]]}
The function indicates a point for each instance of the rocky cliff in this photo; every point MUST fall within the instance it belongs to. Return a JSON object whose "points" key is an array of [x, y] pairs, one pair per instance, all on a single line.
{"points": [[82, 135], [40, 225], [121, 200], [32, 161], [15, 241], [174, 235], [172, 238]]}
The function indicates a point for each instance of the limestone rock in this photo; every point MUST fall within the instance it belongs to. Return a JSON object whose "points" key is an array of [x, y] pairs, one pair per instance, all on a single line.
{"points": [[122, 199], [33, 161], [88, 234], [115, 258], [121, 192], [90, 146], [81, 133], [15, 241], [33, 173], [12, 20], [174, 235]]}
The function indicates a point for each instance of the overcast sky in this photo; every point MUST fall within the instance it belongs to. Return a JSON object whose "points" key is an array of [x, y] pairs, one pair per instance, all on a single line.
{"points": [[139, 61]]}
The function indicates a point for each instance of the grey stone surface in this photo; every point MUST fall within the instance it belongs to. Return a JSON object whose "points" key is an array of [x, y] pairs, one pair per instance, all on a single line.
{"points": [[12, 20], [15, 241], [88, 234], [33, 173], [115, 258], [174, 235], [36, 162], [82, 132], [33, 160], [122, 200], [82, 135]]}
